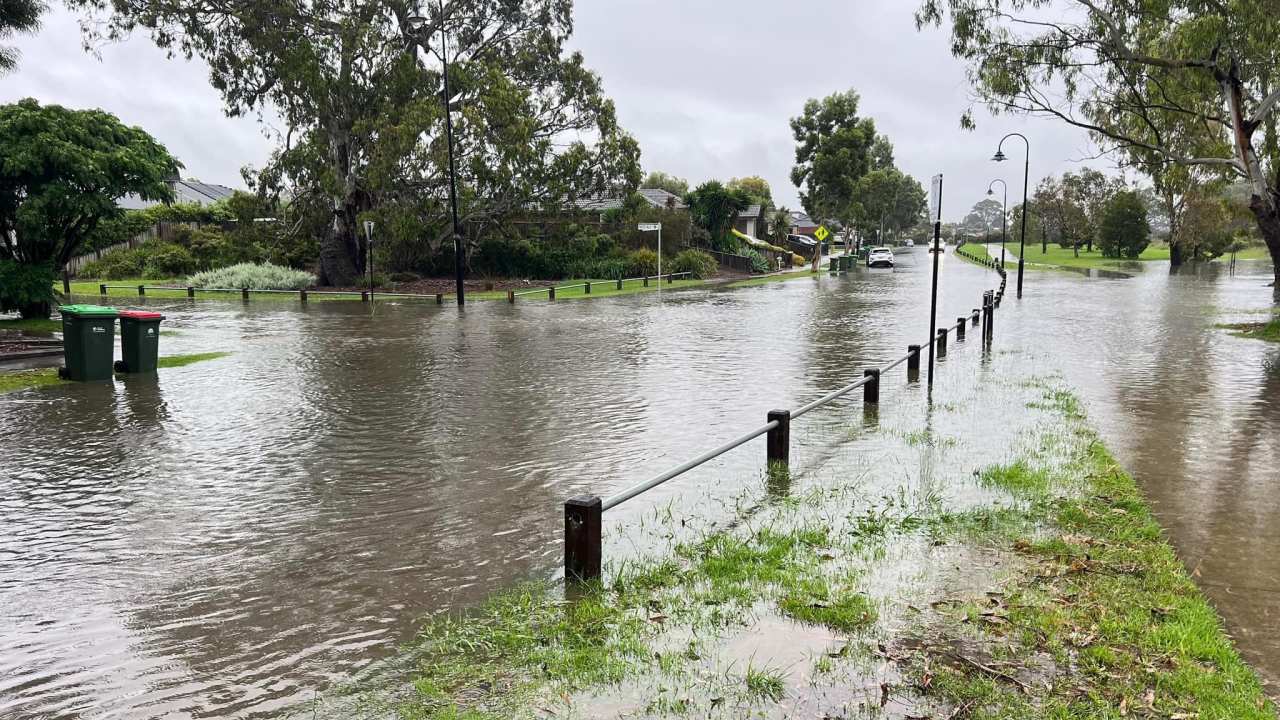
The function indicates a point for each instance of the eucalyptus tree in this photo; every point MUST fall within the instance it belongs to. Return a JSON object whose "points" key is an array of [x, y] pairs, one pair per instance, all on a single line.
{"points": [[833, 152], [1137, 74], [17, 16], [357, 84]]}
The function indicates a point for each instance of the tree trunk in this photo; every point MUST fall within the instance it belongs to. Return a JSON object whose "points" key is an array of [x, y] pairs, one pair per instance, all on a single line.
{"points": [[1175, 255], [36, 311], [338, 249], [1268, 217]]}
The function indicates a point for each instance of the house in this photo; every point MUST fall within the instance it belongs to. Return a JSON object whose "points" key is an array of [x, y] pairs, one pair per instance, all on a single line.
{"points": [[657, 198], [752, 221], [187, 192], [802, 224]]}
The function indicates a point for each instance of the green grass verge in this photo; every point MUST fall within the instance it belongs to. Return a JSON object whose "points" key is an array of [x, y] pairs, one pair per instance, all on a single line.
{"points": [[769, 279], [1269, 331], [599, 288], [1066, 257], [31, 379], [37, 325]]}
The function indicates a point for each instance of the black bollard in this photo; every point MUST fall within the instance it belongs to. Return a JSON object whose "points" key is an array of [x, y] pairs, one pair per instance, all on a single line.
{"points": [[582, 552], [778, 440]]}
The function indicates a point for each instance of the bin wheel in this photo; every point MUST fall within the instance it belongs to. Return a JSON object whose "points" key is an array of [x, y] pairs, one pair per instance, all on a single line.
{"points": [[121, 367], [62, 373]]}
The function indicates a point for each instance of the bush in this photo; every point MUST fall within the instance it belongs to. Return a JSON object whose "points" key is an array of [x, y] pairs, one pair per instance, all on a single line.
{"points": [[695, 262], [26, 288], [168, 260], [642, 262], [1125, 231], [116, 265], [758, 263], [254, 277]]}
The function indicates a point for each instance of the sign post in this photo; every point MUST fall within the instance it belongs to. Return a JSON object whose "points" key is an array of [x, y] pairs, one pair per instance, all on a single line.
{"points": [[822, 233], [935, 212], [651, 227]]}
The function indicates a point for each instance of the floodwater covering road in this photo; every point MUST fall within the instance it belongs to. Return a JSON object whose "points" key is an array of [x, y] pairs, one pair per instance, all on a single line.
{"points": [[232, 538]]}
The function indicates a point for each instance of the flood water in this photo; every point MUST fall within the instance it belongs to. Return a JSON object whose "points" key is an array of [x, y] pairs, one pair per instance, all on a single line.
{"points": [[230, 539]]}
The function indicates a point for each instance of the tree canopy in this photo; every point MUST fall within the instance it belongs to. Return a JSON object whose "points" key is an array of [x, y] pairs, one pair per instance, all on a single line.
{"points": [[17, 16], [662, 181], [713, 207], [1169, 82], [755, 187], [359, 87], [61, 173], [1125, 230], [833, 145]]}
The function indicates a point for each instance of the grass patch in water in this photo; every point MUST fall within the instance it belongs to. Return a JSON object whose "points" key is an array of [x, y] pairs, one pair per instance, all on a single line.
{"points": [[774, 278], [1269, 331], [818, 601], [765, 684], [28, 379], [35, 324], [173, 361], [1019, 479]]}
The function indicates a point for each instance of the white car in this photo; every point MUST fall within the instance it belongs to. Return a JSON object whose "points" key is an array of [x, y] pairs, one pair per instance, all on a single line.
{"points": [[880, 257], [910, 243]]}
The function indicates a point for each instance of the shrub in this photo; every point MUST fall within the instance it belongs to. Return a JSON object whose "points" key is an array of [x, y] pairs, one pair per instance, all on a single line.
{"points": [[642, 262], [1125, 231], [696, 263], [26, 288], [168, 260], [254, 277], [116, 265], [758, 263]]}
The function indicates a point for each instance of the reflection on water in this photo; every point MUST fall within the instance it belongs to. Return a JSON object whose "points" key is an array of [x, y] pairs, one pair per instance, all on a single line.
{"points": [[230, 538]]}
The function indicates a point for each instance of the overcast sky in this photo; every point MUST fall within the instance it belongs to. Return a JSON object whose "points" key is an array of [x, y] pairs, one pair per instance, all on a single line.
{"points": [[707, 87]]}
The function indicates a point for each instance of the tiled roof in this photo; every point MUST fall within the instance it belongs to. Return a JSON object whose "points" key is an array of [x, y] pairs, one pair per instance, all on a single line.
{"points": [[751, 211], [660, 198], [184, 191]]}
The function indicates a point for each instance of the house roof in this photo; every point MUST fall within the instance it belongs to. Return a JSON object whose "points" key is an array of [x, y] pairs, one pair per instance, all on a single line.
{"points": [[660, 198], [184, 191], [751, 211], [800, 219], [596, 203]]}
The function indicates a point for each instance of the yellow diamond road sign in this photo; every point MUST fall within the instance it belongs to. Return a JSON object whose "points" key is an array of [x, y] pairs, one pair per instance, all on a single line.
{"points": [[822, 233]]}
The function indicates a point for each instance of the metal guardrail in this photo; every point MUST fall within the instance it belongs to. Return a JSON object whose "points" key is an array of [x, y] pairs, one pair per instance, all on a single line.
{"points": [[583, 515], [191, 291], [587, 285]]}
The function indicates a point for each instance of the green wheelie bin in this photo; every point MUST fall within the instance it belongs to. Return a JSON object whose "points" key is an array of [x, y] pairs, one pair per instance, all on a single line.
{"points": [[139, 341], [88, 342]]}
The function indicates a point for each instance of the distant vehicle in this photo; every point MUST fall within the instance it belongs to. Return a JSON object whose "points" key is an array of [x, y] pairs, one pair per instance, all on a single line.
{"points": [[880, 257], [910, 243]]}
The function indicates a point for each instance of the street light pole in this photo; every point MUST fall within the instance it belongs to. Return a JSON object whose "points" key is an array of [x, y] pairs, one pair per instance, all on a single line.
{"points": [[1026, 174], [1004, 216], [458, 246]]}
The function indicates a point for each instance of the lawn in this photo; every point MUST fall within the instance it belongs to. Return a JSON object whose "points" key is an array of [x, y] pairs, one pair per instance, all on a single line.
{"points": [[599, 288], [1269, 331], [1066, 257], [29, 379], [776, 277], [37, 325]]}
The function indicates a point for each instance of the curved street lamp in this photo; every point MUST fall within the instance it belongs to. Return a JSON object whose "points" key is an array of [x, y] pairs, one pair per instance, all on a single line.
{"points": [[1026, 173], [1004, 215], [417, 23]]}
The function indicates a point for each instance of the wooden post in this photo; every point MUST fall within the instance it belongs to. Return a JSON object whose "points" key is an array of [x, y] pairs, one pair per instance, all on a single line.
{"points": [[511, 296], [913, 358], [670, 278], [551, 293], [942, 342], [66, 281], [976, 314], [871, 391], [960, 325], [619, 283], [646, 281], [142, 291], [244, 294], [439, 298], [302, 295], [586, 288], [582, 552], [778, 440], [102, 289], [364, 296], [191, 292]]}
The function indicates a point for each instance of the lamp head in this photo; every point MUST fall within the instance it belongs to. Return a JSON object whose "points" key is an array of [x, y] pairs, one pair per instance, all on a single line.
{"points": [[415, 22], [999, 156], [990, 192]]}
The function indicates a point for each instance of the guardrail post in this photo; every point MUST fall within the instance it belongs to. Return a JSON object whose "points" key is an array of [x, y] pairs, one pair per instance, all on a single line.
{"points": [[619, 283], [191, 291], [960, 325], [976, 314], [832, 268], [302, 295], [142, 291], [646, 281], [582, 552], [439, 298], [364, 296], [670, 279], [551, 293], [871, 391], [102, 289], [942, 342], [586, 288], [778, 440], [511, 296], [913, 358], [244, 294]]}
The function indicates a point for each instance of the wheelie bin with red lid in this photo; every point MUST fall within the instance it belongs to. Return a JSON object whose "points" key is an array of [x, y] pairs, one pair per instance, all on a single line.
{"points": [[139, 341]]}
